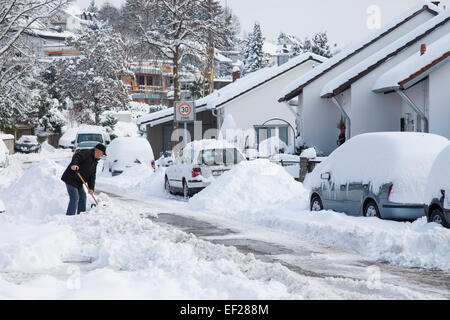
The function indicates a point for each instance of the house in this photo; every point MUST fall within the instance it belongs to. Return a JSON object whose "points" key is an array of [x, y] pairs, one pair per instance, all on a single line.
{"points": [[410, 106], [422, 82], [251, 102], [320, 111]]}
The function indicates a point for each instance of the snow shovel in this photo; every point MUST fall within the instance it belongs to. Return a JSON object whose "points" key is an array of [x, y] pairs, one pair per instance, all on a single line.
{"points": [[85, 184]]}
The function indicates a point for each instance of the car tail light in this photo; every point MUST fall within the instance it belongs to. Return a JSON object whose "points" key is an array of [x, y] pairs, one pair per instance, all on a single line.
{"points": [[153, 164], [390, 190], [196, 172]]}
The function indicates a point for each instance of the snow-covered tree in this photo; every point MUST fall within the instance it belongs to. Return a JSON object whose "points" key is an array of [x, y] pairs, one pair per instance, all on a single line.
{"points": [[253, 51], [320, 44], [92, 80], [20, 71], [92, 7], [110, 15]]}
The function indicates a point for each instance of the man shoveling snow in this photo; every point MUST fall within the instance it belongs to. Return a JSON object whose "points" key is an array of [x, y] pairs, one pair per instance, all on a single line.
{"points": [[84, 164]]}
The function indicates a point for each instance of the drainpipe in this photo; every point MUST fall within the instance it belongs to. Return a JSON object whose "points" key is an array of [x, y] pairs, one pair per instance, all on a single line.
{"points": [[345, 115], [218, 117], [419, 112]]}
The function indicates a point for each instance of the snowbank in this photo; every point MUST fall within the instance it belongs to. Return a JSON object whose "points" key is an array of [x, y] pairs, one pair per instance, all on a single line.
{"points": [[137, 179], [249, 187], [10, 174], [401, 158], [38, 193]]}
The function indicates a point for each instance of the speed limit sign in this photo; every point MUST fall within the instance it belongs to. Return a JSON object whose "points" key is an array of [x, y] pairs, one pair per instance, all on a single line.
{"points": [[184, 111]]}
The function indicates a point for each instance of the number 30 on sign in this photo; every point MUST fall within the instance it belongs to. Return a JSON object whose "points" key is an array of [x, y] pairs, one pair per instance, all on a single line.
{"points": [[184, 111]]}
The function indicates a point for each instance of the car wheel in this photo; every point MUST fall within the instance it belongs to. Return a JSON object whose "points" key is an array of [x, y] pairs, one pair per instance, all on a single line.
{"points": [[371, 210], [438, 217], [167, 186], [316, 203], [186, 191]]}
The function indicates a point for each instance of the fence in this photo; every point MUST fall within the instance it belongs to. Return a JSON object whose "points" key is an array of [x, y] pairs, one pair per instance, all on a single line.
{"points": [[299, 169]]}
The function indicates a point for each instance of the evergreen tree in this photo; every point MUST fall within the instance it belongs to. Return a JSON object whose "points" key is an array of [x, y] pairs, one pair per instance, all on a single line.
{"points": [[320, 45], [253, 51], [92, 7]]}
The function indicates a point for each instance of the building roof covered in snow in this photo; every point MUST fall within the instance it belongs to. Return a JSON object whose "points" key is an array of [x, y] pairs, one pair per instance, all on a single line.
{"points": [[416, 67], [235, 89], [296, 87], [344, 80]]}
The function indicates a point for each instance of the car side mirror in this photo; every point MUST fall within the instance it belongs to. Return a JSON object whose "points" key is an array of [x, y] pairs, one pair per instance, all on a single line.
{"points": [[325, 176]]}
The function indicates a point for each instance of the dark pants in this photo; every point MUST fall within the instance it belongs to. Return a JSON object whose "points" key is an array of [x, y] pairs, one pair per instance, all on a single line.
{"points": [[77, 202]]}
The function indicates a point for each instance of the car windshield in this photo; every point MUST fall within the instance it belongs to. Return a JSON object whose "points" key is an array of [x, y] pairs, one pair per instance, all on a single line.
{"points": [[221, 156], [89, 137]]}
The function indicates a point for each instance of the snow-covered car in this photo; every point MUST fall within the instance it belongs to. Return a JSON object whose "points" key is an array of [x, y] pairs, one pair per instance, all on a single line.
{"points": [[126, 152], [376, 175], [27, 144], [437, 192], [91, 133], [67, 140], [2, 207], [165, 159], [198, 164], [4, 152]]}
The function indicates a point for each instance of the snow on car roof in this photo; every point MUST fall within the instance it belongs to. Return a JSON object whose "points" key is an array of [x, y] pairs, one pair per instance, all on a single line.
{"points": [[28, 138], [126, 147], [91, 129], [208, 144], [401, 158]]}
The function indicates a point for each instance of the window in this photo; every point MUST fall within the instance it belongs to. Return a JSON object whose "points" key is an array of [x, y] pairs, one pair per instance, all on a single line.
{"points": [[140, 80], [266, 132], [149, 80], [221, 156]]}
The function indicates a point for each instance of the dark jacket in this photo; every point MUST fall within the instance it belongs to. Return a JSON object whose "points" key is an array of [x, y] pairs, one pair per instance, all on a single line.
{"points": [[85, 160]]}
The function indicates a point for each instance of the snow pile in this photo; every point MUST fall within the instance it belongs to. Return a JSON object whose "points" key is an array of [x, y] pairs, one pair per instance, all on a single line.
{"points": [[69, 135], [138, 179], [10, 174], [3, 153], [38, 193], [439, 179], [34, 247], [401, 158], [309, 153], [46, 147], [249, 187]]}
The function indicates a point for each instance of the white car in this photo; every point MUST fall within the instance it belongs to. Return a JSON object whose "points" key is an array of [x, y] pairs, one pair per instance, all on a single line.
{"points": [[91, 133], [198, 164], [126, 152]]}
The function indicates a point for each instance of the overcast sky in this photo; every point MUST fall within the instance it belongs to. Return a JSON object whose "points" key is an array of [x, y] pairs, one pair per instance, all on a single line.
{"points": [[344, 20]]}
